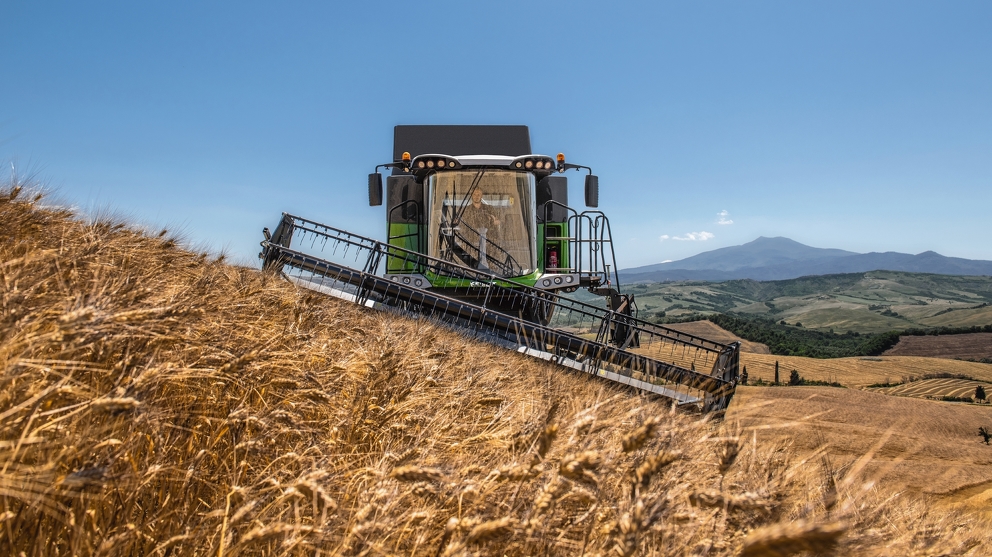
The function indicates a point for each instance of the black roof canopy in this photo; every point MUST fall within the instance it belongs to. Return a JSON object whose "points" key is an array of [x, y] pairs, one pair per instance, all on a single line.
{"points": [[512, 141]]}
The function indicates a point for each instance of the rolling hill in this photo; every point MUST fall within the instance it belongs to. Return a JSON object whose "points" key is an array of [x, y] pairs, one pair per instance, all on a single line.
{"points": [[871, 302], [968, 346]]}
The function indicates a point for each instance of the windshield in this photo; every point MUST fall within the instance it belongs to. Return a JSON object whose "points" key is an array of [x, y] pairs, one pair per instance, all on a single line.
{"points": [[483, 219]]}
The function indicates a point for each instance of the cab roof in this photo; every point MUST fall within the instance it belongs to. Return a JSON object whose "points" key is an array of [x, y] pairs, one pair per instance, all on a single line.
{"points": [[459, 141]]}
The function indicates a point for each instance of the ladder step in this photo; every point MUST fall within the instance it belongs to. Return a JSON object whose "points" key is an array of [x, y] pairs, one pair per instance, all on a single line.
{"points": [[559, 238], [560, 269]]}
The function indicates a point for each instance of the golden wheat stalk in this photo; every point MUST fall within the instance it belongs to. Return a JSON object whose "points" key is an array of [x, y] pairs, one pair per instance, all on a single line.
{"points": [[788, 538], [139, 379], [637, 438]]}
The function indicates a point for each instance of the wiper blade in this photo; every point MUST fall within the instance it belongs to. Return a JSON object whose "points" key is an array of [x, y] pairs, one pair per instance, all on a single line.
{"points": [[468, 194]]}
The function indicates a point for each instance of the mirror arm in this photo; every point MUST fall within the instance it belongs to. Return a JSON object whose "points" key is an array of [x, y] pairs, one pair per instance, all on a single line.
{"points": [[569, 166], [401, 165]]}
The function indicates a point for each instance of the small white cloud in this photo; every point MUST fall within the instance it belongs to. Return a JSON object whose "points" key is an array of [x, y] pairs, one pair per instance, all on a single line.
{"points": [[667, 261], [689, 237], [694, 237], [723, 217]]}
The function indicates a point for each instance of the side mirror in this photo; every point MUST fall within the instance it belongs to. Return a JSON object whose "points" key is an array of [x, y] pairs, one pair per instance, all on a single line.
{"points": [[375, 189], [592, 190]]}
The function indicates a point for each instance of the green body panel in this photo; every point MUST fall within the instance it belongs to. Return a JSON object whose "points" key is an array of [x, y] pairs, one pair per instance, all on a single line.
{"points": [[438, 281], [406, 236], [540, 246]]}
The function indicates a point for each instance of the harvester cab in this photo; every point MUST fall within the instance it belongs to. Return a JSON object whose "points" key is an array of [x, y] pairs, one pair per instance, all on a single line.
{"points": [[480, 238], [476, 196]]}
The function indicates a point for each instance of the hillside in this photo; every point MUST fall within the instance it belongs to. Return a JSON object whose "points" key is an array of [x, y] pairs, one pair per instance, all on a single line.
{"points": [[872, 302], [860, 372], [712, 331], [157, 400], [968, 346], [781, 258], [916, 445]]}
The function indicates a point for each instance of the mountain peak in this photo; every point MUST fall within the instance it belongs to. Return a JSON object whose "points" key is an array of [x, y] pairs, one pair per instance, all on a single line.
{"points": [[775, 258], [761, 252], [774, 240]]}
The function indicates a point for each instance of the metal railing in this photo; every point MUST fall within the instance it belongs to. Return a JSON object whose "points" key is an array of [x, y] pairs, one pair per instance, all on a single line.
{"points": [[590, 244], [680, 366]]}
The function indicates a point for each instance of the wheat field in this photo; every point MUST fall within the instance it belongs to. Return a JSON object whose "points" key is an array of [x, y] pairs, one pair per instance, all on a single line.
{"points": [[918, 446], [158, 401], [937, 388], [968, 346], [859, 371]]}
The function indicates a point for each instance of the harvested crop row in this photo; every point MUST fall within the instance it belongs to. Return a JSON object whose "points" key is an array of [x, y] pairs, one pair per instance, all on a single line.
{"points": [[937, 388]]}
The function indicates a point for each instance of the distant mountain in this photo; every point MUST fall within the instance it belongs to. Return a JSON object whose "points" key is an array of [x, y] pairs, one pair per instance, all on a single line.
{"points": [[762, 252], [781, 258]]}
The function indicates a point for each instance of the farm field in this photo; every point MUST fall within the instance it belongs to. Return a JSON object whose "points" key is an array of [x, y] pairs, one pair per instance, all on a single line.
{"points": [[921, 446], [840, 318], [712, 331], [964, 317], [860, 371], [873, 302], [969, 346], [158, 401], [936, 388]]}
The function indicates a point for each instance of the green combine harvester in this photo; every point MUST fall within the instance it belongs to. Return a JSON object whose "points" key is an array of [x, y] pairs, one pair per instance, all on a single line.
{"points": [[480, 237]]}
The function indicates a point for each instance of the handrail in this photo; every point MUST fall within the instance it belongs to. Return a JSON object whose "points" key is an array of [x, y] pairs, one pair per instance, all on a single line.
{"points": [[590, 232], [570, 334]]}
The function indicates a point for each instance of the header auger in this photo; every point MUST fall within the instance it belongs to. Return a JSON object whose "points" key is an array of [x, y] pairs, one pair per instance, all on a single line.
{"points": [[487, 244]]}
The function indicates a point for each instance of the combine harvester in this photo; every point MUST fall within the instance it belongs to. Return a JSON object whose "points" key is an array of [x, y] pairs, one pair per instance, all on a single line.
{"points": [[480, 237]]}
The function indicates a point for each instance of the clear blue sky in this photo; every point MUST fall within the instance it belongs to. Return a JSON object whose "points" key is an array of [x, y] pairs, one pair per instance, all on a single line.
{"points": [[865, 126]]}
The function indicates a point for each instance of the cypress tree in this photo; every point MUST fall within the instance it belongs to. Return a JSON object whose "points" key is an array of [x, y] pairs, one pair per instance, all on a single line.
{"points": [[776, 372]]}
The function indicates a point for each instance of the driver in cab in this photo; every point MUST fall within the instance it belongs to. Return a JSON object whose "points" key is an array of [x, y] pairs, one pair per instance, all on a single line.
{"points": [[480, 216]]}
